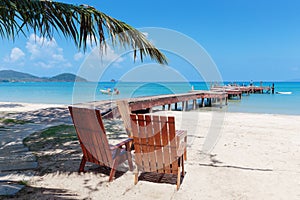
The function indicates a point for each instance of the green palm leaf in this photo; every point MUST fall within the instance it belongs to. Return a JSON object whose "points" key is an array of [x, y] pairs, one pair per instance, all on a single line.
{"points": [[80, 23]]}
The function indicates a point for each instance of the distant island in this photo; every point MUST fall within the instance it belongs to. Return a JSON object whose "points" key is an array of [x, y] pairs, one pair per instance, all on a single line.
{"points": [[14, 76]]}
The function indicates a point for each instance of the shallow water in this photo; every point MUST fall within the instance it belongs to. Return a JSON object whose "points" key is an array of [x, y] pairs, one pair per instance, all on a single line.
{"points": [[67, 93]]}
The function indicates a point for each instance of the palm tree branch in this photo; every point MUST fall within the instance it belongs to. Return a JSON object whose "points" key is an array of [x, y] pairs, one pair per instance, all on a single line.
{"points": [[78, 22]]}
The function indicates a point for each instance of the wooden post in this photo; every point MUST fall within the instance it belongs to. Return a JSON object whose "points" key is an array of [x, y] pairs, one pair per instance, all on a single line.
{"points": [[208, 100], [194, 104], [186, 105]]}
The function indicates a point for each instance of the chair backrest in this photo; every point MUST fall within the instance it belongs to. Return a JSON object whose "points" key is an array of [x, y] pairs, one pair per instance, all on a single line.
{"points": [[155, 143], [91, 134], [125, 112]]}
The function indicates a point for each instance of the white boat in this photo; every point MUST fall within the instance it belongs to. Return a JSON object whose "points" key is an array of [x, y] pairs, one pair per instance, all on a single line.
{"points": [[106, 92], [110, 92], [283, 92]]}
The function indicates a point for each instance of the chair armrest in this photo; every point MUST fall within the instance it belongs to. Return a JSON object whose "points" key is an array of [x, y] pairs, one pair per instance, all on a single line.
{"points": [[119, 145], [181, 149], [181, 134], [181, 137]]}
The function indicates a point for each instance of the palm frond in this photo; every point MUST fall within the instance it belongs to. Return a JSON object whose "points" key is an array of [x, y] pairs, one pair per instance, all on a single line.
{"points": [[78, 22]]}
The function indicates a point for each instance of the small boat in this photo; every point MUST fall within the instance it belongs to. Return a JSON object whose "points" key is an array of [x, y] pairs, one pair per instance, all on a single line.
{"points": [[106, 92], [283, 92], [110, 92]]}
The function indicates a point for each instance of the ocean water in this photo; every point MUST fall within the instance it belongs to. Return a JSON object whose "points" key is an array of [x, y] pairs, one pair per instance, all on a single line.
{"points": [[68, 93]]}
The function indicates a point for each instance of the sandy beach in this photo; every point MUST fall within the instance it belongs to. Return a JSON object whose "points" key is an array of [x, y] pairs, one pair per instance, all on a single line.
{"points": [[230, 156], [24, 107]]}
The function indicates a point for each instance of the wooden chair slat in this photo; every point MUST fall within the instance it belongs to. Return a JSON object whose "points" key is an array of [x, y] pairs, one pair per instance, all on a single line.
{"points": [[137, 149], [158, 144], [165, 143], [151, 144], [144, 142], [173, 144], [125, 112]]}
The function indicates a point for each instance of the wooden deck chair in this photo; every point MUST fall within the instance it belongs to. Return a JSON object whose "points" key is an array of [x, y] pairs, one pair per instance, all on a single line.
{"points": [[125, 112], [94, 143], [158, 147]]}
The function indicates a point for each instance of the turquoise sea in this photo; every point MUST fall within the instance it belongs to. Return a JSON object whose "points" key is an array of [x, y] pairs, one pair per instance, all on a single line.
{"points": [[68, 93]]}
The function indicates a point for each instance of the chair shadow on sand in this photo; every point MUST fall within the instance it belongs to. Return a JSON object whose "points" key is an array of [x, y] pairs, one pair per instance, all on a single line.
{"points": [[159, 178], [40, 193]]}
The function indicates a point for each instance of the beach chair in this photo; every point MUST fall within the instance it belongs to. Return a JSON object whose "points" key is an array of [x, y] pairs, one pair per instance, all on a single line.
{"points": [[125, 112], [94, 143], [158, 147]]}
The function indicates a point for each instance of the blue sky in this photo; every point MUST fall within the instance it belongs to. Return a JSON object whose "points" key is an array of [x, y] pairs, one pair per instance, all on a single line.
{"points": [[248, 40]]}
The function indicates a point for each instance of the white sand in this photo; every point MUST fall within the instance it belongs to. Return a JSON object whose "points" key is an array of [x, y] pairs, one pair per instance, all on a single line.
{"points": [[253, 156], [24, 107]]}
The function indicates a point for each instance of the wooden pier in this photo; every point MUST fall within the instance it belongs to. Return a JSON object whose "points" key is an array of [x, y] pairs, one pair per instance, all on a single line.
{"points": [[260, 89], [232, 92], [191, 100], [183, 102], [185, 99], [237, 91]]}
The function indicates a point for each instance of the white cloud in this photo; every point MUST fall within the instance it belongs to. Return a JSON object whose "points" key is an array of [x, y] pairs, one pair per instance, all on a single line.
{"points": [[97, 62], [109, 55], [58, 57], [45, 52], [16, 54], [78, 56]]}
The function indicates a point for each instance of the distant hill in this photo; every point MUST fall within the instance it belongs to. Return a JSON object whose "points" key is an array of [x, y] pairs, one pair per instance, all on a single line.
{"points": [[67, 77], [14, 76]]}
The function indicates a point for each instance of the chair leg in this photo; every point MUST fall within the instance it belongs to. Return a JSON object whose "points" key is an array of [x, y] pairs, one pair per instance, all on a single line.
{"points": [[113, 169], [185, 154], [182, 165], [112, 174], [136, 176], [82, 164], [178, 178], [129, 157]]}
